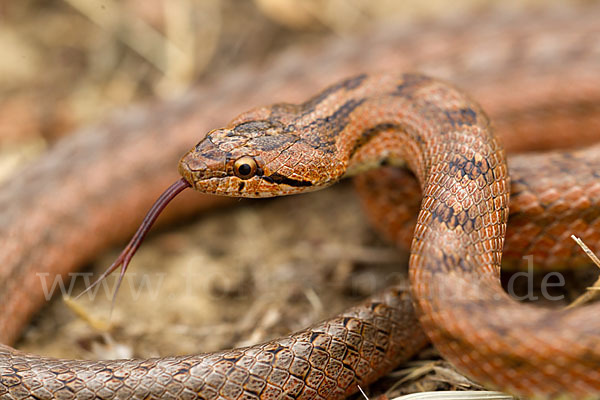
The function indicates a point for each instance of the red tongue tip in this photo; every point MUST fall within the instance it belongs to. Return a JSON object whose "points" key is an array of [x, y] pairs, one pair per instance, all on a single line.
{"points": [[135, 242]]}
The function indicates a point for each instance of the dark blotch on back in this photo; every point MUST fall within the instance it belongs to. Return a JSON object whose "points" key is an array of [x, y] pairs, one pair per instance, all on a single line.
{"points": [[410, 82], [369, 134], [322, 133], [462, 116], [348, 84]]}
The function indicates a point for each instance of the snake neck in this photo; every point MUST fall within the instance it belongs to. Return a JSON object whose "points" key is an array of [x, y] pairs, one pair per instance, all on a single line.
{"points": [[401, 120], [442, 136]]}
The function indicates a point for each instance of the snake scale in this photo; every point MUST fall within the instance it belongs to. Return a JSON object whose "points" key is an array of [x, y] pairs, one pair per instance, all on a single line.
{"points": [[443, 136]]}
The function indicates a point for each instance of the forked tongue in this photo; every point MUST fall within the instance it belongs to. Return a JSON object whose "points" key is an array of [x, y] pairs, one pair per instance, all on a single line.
{"points": [[135, 242]]}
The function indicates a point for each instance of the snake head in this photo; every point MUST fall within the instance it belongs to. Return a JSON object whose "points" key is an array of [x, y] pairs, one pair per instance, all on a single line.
{"points": [[254, 157]]}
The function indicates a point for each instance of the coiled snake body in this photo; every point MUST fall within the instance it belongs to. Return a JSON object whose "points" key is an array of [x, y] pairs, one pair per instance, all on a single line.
{"points": [[365, 121]]}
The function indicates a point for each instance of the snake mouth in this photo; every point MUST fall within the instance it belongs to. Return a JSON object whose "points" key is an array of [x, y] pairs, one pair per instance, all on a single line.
{"points": [[197, 168], [187, 173]]}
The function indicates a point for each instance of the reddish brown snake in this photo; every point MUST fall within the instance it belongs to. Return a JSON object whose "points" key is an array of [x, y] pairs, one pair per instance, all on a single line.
{"points": [[293, 383]]}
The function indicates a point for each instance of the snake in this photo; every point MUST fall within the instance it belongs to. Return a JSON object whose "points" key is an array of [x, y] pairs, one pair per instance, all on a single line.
{"points": [[364, 121]]}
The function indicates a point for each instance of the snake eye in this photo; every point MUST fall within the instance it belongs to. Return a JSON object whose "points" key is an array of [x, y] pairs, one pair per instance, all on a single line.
{"points": [[245, 167]]}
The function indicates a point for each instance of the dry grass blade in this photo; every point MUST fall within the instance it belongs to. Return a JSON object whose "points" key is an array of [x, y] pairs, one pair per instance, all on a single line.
{"points": [[136, 33], [594, 291], [455, 395], [363, 392], [82, 313], [413, 371]]}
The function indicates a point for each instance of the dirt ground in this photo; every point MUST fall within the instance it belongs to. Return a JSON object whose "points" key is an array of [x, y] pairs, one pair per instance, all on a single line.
{"points": [[236, 277], [231, 277]]}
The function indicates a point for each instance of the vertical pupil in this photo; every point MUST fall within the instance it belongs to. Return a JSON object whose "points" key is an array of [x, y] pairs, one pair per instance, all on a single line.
{"points": [[244, 169]]}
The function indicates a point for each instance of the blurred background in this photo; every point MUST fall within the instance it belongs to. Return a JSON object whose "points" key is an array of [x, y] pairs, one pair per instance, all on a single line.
{"points": [[67, 63]]}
